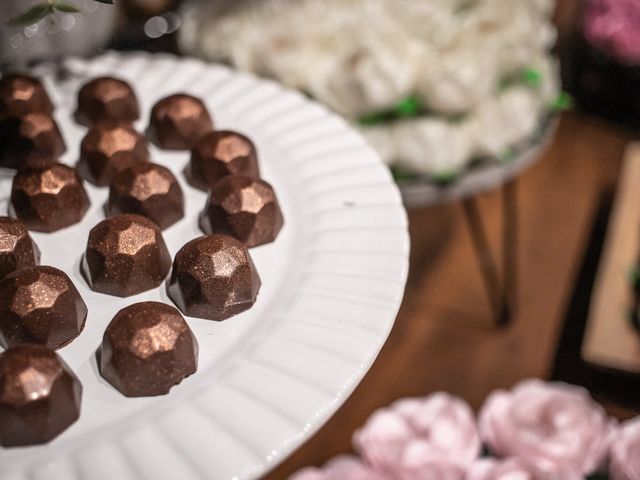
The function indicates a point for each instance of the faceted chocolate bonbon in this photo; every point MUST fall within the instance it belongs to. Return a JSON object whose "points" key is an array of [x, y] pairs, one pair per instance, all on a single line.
{"points": [[244, 208], [149, 190], [125, 255], [218, 154], [147, 349], [214, 278], [17, 249], [109, 148], [21, 95], [178, 121], [107, 99], [40, 305], [30, 139], [49, 197], [40, 396]]}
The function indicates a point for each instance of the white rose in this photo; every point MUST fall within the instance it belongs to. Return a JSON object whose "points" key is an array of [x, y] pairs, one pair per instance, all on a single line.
{"points": [[431, 146], [370, 72], [503, 122], [517, 31], [550, 85], [455, 81], [380, 138], [433, 23]]}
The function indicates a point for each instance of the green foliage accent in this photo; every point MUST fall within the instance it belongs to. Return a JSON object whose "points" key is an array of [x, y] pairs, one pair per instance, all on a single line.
{"points": [[445, 178], [372, 119], [31, 16], [66, 7], [508, 155], [42, 10], [401, 175], [531, 77], [564, 101], [409, 107]]}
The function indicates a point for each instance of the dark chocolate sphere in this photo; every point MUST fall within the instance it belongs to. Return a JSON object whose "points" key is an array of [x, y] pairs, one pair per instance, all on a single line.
{"points": [[125, 255], [30, 140], [21, 95], [219, 154], [17, 249], [49, 197], [107, 99], [40, 305], [178, 122], [213, 277], [149, 190], [39, 396], [107, 149], [147, 349], [244, 208]]}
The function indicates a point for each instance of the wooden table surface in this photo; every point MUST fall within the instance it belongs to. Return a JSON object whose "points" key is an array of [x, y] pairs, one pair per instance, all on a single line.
{"points": [[443, 338]]}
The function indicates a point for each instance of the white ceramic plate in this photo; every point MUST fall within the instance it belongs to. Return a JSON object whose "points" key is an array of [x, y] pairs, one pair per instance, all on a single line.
{"points": [[270, 377]]}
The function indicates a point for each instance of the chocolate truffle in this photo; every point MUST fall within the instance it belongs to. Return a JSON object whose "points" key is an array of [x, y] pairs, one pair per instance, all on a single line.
{"points": [[219, 154], [107, 99], [49, 197], [40, 305], [21, 95], [214, 278], [178, 121], [109, 148], [30, 139], [147, 349], [244, 208], [17, 249], [125, 255], [149, 190], [39, 396]]}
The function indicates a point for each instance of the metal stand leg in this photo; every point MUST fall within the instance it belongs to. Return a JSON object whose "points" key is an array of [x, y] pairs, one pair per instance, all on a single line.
{"points": [[502, 295], [510, 247]]}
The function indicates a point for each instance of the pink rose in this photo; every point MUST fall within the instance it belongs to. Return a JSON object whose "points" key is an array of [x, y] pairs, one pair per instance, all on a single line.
{"points": [[340, 468], [491, 469], [434, 438], [612, 26], [555, 429], [625, 452]]}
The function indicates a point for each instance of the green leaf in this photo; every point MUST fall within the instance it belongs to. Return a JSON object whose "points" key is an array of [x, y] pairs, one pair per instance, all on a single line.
{"points": [[110, 2], [563, 102], [31, 16], [410, 107], [372, 119], [401, 175], [66, 7], [445, 177], [531, 77], [508, 155]]}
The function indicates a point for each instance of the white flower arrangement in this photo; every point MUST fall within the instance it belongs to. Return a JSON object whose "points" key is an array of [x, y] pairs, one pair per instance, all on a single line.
{"points": [[435, 85]]}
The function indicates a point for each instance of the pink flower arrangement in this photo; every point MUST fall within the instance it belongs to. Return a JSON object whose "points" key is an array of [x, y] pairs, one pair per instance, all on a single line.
{"points": [[536, 431], [432, 438], [340, 468], [491, 469], [613, 26], [555, 429], [625, 452]]}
